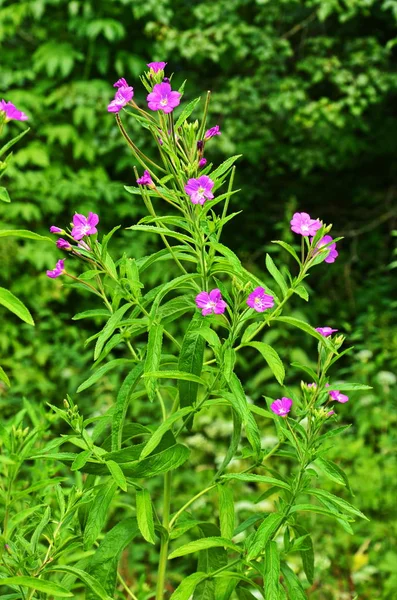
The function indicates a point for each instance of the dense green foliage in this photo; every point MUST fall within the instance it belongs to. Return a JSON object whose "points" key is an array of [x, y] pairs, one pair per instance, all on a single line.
{"points": [[306, 92]]}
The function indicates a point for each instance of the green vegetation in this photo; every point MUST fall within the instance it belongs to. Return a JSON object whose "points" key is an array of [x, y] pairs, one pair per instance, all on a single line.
{"points": [[306, 92]]}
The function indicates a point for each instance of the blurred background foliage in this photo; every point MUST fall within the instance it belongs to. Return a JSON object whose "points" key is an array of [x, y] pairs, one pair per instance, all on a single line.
{"points": [[306, 90]]}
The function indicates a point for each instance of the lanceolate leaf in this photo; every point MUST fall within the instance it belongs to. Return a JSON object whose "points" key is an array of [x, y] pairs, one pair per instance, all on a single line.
{"points": [[339, 502], [101, 372], [272, 359], [292, 583], [276, 274], [13, 304], [238, 400], [89, 581], [226, 511], [252, 477], [185, 590], [202, 544], [191, 361], [165, 426], [272, 571], [122, 402], [153, 357], [98, 512], [307, 555], [307, 328], [109, 328], [41, 585], [103, 564], [144, 513], [263, 534]]}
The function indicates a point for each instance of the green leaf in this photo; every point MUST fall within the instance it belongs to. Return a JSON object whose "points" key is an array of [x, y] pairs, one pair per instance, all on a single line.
{"points": [[276, 274], [316, 509], [292, 583], [339, 502], [202, 544], [40, 528], [209, 561], [14, 140], [103, 564], [122, 401], [272, 571], [101, 372], [185, 589], [302, 292], [165, 426], [13, 304], [144, 513], [307, 328], [332, 433], [349, 387], [225, 166], [191, 358], [226, 511], [239, 402], [307, 554], [80, 460], [89, 581], [153, 358], [109, 328], [162, 230], [272, 359], [253, 478], [187, 111], [229, 360], [41, 585], [263, 535], [24, 233], [4, 196], [98, 512], [117, 474], [88, 314], [176, 375], [167, 460], [234, 442], [333, 471], [288, 248], [4, 377]]}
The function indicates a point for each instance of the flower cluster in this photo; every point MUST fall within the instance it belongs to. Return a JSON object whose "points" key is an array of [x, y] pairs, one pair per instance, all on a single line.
{"points": [[124, 94], [82, 226], [258, 300], [305, 226], [10, 113]]}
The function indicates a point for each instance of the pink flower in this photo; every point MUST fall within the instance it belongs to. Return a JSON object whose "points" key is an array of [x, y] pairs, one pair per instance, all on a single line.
{"points": [[163, 98], [145, 179], [331, 250], [281, 407], [83, 226], [211, 302], [156, 66], [202, 162], [54, 229], [303, 224], [121, 83], [338, 397], [259, 300], [199, 189], [330, 413], [326, 331], [59, 270], [63, 244], [11, 113], [124, 94], [211, 132]]}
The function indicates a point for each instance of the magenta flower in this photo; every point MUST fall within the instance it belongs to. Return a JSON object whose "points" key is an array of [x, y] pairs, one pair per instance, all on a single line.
{"points": [[163, 98], [326, 331], [199, 189], [281, 407], [58, 271], [156, 66], [121, 83], [63, 244], [338, 397], [145, 179], [331, 251], [124, 94], [303, 224], [330, 413], [202, 162], [54, 229], [11, 112], [259, 300], [211, 302], [84, 225], [211, 132]]}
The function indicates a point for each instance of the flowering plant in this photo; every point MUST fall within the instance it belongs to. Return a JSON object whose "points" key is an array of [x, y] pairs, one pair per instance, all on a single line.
{"points": [[228, 308]]}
